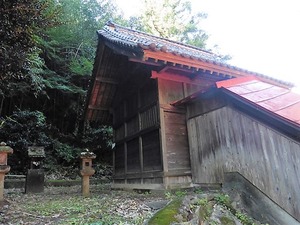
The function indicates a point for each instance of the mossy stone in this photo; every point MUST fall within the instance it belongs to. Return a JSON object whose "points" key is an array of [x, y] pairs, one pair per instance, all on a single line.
{"points": [[166, 215], [227, 221]]}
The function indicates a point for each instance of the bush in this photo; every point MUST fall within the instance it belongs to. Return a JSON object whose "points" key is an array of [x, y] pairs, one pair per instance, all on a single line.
{"points": [[21, 130]]}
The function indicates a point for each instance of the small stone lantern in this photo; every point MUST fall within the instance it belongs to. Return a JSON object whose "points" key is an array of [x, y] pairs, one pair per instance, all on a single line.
{"points": [[35, 173], [4, 168], [86, 170]]}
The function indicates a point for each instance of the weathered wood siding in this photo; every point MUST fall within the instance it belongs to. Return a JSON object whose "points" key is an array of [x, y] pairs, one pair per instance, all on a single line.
{"points": [[150, 134], [137, 156], [226, 140], [174, 134], [176, 141], [173, 87]]}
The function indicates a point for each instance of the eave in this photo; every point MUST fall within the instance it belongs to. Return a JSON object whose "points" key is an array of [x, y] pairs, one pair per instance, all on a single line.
{"points": [[180, 61]]}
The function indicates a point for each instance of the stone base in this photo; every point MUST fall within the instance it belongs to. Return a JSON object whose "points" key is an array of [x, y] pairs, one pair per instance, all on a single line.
{"points": [[34, 181], [257, 204]]}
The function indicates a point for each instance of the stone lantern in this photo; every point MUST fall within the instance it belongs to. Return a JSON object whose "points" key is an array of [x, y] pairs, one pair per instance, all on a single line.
{"points": [[35, 173], [4, 168], [86, 170]]}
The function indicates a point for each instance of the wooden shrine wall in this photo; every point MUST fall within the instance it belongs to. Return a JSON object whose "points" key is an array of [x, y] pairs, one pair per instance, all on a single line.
{"points": [[137, 155], [152, 149], [176, 156], [227, 140]]}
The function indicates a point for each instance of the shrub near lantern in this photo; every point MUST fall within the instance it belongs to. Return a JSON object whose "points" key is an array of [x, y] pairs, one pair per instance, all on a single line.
{"points": [[4, 168]]}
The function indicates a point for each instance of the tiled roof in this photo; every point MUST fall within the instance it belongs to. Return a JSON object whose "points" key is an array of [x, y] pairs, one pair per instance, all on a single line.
{"points": [[142, 41], [139, 42], [277, 100]]}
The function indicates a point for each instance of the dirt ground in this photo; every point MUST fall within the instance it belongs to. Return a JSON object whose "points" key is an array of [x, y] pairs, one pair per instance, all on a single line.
{"points": [[65, 205]]}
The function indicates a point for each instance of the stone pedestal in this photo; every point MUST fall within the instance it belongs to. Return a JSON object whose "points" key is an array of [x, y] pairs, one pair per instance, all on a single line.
{"points": [[86, 171], [34, 181], [3, 171], [4, 168], [35, 174]]}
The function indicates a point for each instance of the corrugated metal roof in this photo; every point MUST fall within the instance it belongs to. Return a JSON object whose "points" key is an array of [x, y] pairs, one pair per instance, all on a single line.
{"points": [[277, 100]]}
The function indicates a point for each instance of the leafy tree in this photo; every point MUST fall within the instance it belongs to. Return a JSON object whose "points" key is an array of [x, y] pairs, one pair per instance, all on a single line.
{"points": [[21, 21], [69, 51], [173, 19], [47, 50], [20, 130], [70, 47], [99, 139]]}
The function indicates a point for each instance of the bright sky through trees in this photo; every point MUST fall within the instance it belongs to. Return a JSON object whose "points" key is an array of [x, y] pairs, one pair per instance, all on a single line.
{"points": [[261, 35]]}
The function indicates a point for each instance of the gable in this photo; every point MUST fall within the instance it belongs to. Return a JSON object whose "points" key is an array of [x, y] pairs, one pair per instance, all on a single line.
{"points": [[121, 52]]}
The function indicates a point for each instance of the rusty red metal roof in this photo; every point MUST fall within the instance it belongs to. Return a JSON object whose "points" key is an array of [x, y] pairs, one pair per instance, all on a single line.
{"points": [[280, 101]]}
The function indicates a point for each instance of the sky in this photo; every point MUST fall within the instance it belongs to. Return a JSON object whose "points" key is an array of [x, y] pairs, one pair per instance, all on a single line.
{"points": [[262, 36]]}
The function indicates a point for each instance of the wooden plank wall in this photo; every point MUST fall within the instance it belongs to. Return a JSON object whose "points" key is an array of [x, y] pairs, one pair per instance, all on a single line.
{"points": [[137, 156], [174, 134], [226, 140]]}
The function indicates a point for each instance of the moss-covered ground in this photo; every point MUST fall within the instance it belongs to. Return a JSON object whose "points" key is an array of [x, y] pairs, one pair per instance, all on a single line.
{"points": [[167, 215]]}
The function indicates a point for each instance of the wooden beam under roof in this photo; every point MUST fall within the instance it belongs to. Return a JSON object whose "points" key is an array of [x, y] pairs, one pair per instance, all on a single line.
{"points": [[92, 107], [106, 80], [195, 63]]}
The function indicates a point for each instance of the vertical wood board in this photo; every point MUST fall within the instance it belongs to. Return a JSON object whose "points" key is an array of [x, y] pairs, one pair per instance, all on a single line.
{"points": [[226, 140]]}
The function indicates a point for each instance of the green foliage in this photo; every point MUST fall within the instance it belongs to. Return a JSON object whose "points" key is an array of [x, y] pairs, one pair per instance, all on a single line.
{"points": [[198, 191], [244, 218], [71, 45], [169, 195], [47, 53], [81, 66], [68, 50], [202, 202], [65, 152], [98, 139], [178, 194], [223, 199], [206, 208], [61, 83], [20, 21], [167, 215], [227, 221], [173, 19], [76, 210], [35, 68], [20, 130]]}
